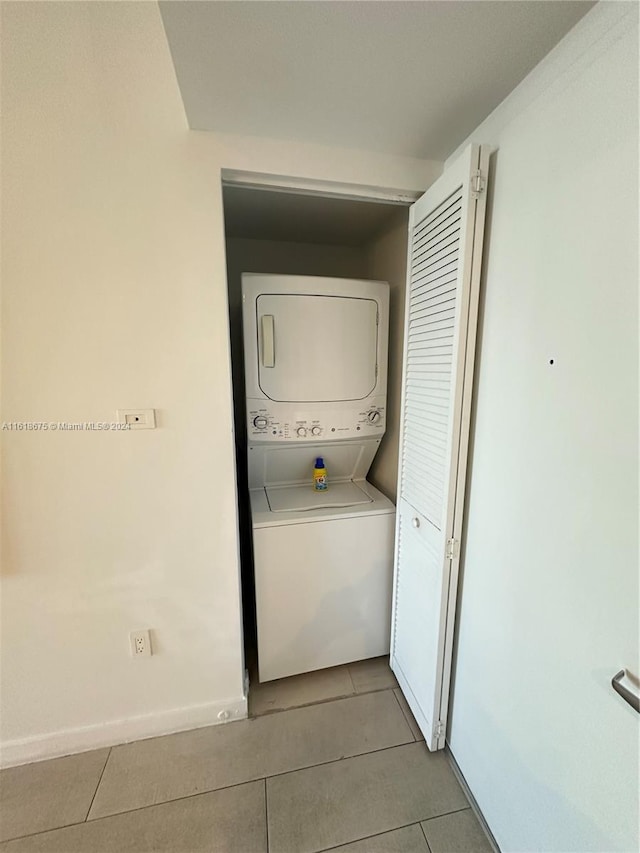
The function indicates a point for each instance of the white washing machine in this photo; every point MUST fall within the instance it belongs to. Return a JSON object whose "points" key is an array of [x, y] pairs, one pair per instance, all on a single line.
{"points": [[315, 377]]}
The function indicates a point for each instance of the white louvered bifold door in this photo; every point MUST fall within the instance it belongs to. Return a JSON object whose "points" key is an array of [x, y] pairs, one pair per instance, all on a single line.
{"points": [[443, 279]]}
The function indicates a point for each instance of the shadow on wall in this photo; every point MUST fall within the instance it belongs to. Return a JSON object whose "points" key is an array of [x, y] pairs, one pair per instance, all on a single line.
{"points": [[493, 170]]}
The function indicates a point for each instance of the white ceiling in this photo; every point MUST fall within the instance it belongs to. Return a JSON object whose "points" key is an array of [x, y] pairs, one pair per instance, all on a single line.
{"points": [[411, 78], [292, 217]]}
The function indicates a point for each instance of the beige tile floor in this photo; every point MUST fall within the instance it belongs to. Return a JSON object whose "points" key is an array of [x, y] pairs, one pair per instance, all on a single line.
{"points": [[341, 766]]}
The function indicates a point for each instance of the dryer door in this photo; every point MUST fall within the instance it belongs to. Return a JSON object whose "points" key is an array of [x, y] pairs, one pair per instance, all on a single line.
{"points": [[316, 348]]}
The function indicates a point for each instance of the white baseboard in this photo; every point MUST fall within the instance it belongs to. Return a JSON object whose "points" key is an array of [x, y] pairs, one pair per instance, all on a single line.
{"points": [[475, 808], [113, 732]]}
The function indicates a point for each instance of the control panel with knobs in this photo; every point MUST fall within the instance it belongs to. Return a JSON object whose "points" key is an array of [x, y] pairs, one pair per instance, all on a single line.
{"points": [[288, 422]]}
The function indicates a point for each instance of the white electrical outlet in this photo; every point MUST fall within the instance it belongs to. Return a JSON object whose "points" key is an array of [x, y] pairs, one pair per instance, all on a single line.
{"points": [[140, 644]]}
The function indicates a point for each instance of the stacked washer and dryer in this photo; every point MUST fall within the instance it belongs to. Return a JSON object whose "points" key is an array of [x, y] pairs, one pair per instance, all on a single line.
{"points": [[315, 354]]}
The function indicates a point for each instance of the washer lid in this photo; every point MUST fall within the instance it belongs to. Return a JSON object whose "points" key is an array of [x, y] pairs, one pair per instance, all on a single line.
{"points": [[291, 464], [305, 498]]}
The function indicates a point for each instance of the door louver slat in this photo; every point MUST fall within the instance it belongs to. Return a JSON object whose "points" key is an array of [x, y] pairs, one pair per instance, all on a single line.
{"points": [[435, 401], [435, 326], [432, 223], [431, 419], [426, 421], [432, 297], [434, 311], [428, 245], [433, 268], [434, 289], [437, 336], [442, 287], [436, 260]]}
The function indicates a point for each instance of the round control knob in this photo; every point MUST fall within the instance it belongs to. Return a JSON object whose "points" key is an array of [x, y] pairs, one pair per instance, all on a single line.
{"points": [[302, 431], [316, 430], [260, 422], [373, 417]]}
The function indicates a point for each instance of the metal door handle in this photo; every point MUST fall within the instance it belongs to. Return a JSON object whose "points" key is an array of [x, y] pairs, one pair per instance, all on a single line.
{"points": [[626, 694], [415, 522]]}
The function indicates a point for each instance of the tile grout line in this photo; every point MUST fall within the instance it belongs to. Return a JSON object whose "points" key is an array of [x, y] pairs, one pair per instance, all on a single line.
{"points": [[418, 822], [328, 699], [86, 817], [367, 837], [404, 715], [354, 692], [353, 684], [65, 825], [271, 711], [337, 760], [444, 814], [44, 831], [204, 793], [225, 788], [131, 811], [424, 835], [266, 812]]}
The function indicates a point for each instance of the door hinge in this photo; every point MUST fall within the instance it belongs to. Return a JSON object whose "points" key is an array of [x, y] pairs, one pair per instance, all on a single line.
{"points": [[452, 549], [438, 729], [478, 184]]}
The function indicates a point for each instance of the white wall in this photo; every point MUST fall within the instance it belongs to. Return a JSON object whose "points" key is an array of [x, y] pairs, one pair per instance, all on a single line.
{"points": [[549, 604], [112, 298], [387, 261], [318, 163], [115, 296]]}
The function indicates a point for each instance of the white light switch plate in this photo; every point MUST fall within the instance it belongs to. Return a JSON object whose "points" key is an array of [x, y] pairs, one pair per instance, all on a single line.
{"points": [[138, 418]]}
